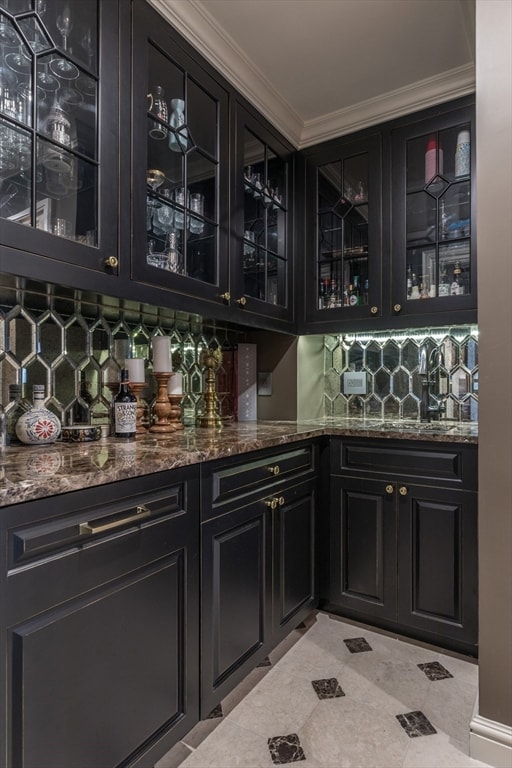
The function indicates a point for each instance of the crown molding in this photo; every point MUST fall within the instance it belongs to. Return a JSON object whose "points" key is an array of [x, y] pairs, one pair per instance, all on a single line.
{"points": [[387, 106], [202, 31]]}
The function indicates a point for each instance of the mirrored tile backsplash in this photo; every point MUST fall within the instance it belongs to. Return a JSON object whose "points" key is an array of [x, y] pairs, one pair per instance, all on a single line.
{"points": [[76, 344], [390, 362]]}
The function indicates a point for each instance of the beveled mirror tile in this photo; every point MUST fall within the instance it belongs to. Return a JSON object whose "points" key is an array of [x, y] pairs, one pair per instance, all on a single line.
{"points": [[382, 383], [390, 356]]}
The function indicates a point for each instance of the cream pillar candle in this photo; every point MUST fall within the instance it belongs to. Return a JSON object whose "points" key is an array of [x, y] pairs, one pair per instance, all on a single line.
{"points": [[135, 366], [161, 354], [175, 386]]}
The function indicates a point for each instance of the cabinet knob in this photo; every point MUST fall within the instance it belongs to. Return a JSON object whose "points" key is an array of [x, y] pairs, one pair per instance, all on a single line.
{"points": [[403, 490], [112, 262], [397, 308], [242, 301], [374, 310], [274, 470], [272, 503], [389, 489], [225, 296], [280, 501]]}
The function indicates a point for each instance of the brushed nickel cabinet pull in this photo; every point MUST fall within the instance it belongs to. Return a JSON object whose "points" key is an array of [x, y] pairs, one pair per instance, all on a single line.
{"points": [[403, 490], [141, 513], [389, 489], [112, 261]]}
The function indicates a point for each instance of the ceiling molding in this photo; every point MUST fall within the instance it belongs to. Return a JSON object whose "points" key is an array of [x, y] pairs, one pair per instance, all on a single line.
{"points": [[200, 29], [387, 106]]}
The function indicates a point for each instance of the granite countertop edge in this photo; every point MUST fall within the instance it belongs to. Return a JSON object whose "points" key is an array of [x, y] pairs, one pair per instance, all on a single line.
{"points": [[34, 472]]}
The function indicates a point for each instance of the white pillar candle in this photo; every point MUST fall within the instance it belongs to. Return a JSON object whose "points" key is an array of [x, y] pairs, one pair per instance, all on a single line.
{"points": [[135, 366], [161, 354], [175, 385]]}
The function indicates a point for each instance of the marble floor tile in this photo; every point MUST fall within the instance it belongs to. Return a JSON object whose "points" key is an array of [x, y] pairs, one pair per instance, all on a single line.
{"points": [[321, 706], [231, 747]]}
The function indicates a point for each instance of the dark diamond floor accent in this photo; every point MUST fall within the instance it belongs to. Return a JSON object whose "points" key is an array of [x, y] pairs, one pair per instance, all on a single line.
{"points": [[216, 712], [327, 688], [416, 724], [285, 749], [435, 671], [265, 663], [357, 645]]}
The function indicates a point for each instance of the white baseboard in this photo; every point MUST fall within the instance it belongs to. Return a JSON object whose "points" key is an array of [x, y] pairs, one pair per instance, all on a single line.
{"points": [[490, 741]]}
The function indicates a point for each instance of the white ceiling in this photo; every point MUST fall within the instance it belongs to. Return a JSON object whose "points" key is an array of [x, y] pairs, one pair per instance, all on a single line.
{"points": [[322, 68]]}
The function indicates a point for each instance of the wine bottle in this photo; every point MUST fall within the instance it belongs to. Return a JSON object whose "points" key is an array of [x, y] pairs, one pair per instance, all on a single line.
{"points": [[125, 409], [458, 282]]}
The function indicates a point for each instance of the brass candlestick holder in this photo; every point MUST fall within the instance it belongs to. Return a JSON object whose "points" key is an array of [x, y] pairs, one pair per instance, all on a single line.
{"points": [[175, 417], [162, 406], [137, 388], [211, 419]]}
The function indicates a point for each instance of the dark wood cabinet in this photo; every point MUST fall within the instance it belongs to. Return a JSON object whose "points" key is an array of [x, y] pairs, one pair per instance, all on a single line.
{"points": [[258, 555], [404, 538], [390, 218], [262, 264], [100, 631], [62, 166]]}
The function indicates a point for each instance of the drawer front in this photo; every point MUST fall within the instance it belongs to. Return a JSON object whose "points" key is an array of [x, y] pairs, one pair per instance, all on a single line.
{"points": [[253, 473], [60, 557], [449, 463]]}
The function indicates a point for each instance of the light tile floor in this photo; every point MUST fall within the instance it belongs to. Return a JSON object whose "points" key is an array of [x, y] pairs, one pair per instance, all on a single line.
{"points": [[322, 702]]}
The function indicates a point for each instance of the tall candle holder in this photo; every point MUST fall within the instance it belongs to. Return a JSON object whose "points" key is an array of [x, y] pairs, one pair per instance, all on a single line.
{"points": [[210, 358], [137, 388], [175, 417], [162, 406]]}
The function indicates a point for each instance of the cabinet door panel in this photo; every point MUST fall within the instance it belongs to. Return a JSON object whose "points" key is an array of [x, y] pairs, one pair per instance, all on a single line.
{"points": [[437, 562], [236, 598], [294, 524], [363, 549], [131, 634]]}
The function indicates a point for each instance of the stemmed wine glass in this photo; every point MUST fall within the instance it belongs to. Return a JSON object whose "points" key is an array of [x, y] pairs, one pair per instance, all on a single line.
{"points": [[154, 179], [64, 24]]}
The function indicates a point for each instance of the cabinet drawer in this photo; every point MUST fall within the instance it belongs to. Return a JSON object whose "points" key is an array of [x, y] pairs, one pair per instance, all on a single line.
{"points": [[449, 463], [244, 475]]}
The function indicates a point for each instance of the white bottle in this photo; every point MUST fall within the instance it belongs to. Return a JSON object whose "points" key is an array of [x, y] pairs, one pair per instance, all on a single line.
{"points": [[38, 426], [463, 155]]}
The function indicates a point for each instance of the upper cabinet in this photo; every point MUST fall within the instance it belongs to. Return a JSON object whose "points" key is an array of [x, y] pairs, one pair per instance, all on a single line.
{"points": [[180, 156], [343, 254], [389, 233], [262, 250], [57, 168], [433, 238]]}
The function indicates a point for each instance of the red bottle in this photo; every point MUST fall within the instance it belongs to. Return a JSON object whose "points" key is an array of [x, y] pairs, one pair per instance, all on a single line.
{"points": [[433, 159]]}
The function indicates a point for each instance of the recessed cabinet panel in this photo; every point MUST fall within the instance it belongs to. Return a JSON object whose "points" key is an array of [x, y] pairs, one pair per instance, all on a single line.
{"points": [[77, 645]]}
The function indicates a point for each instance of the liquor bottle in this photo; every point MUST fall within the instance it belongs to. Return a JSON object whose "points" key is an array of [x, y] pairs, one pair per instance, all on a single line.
{"points": [[355, 293], [415, 291], [38, 425], [125, 409], [15, 408], [457, 288], [81, 412]]}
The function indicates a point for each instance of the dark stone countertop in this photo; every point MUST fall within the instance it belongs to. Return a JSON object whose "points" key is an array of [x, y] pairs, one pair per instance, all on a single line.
{"points": [[34, 472]]}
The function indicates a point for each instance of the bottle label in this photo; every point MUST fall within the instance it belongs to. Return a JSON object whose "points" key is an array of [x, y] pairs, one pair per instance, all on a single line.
{"points": [[125, 417]]}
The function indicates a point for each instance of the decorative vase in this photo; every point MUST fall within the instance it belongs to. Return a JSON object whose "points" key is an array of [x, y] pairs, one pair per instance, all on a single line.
{"points": [[38, 426], [178, 137]]}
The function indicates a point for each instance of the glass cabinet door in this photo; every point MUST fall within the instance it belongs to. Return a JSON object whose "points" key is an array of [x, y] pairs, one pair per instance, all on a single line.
{"points": [[264, 235], [262, 246], [434, 256], [49, 137], [343, 249], [179, 181]]}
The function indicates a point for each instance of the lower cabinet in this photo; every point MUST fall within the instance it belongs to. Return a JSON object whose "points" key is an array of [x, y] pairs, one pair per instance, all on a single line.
{"points": [[404, 539], [258, 563], [100, 637]]}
